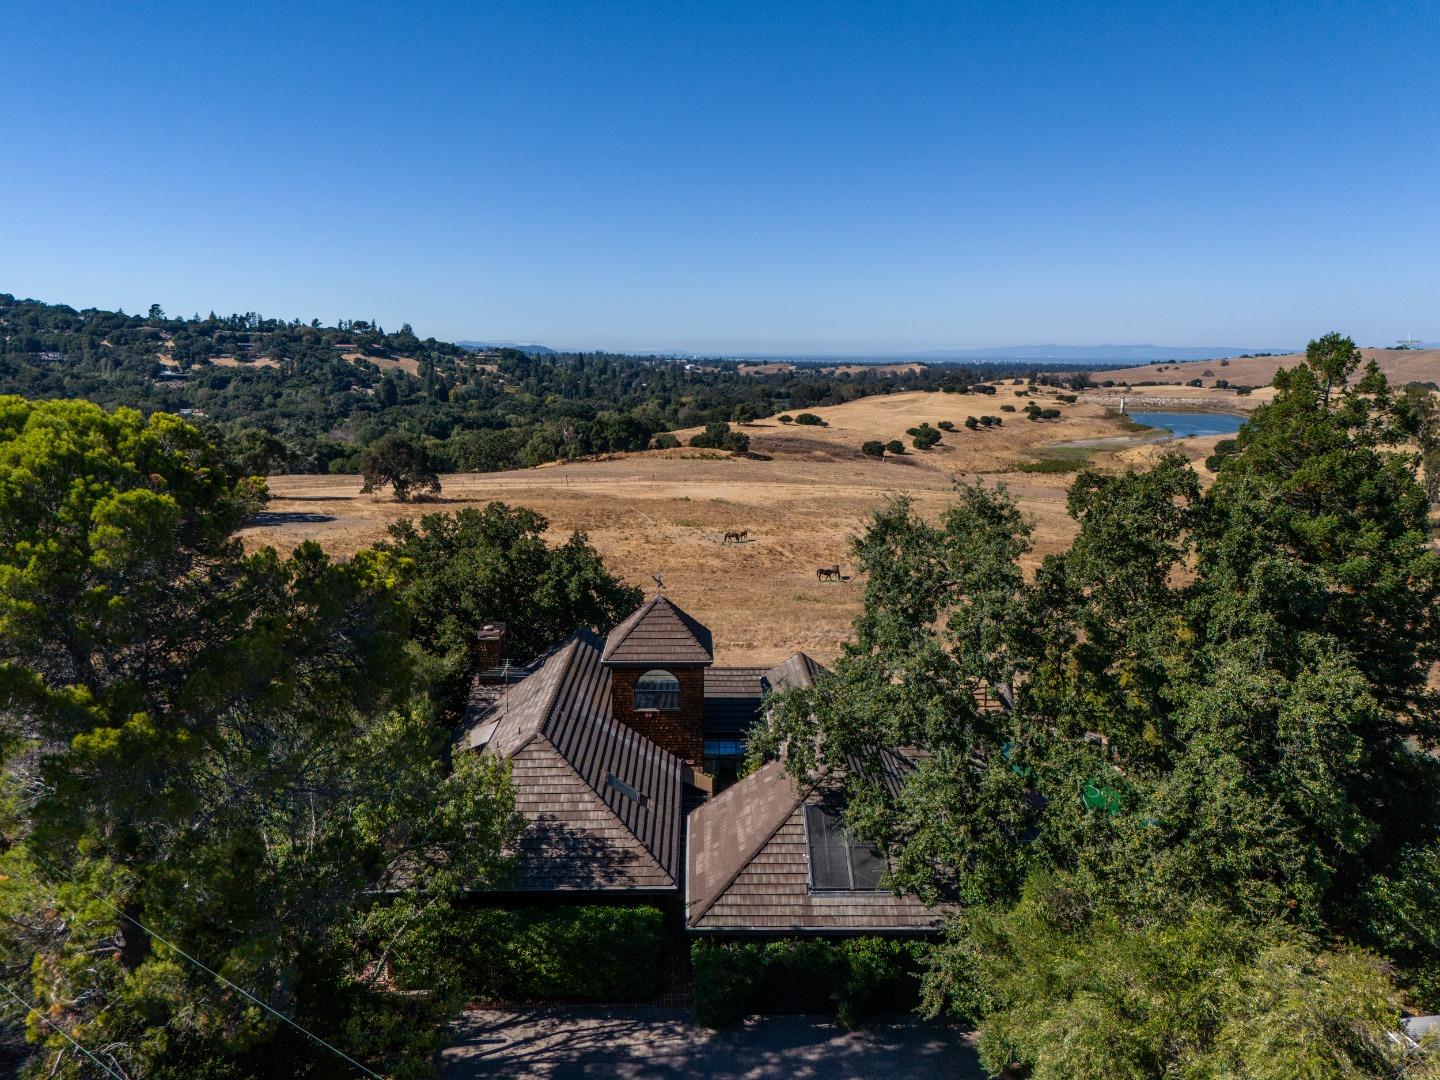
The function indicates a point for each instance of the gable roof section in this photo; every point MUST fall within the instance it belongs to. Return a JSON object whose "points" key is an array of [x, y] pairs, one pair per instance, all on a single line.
{"points": [[566, 703], [659, 633], [748, 870], [792, 673], [727, 832]]}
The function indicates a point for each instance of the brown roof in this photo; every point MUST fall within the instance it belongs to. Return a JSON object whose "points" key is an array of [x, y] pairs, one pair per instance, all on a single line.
{"points": [[659, 633], [747, 868], [734, 682], [797, 671], [604, 802]]}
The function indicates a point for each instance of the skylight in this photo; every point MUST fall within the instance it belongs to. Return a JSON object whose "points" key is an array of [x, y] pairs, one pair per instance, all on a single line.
{"points": [[839, 863], [631, 793]]}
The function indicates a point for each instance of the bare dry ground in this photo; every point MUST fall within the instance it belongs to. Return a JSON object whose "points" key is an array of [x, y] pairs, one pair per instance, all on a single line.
{"points": [[1399, 365], [801, 496]]}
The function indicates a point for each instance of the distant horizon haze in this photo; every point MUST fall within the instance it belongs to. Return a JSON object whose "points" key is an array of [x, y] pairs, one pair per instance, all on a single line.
{"points": [[718, 179]]}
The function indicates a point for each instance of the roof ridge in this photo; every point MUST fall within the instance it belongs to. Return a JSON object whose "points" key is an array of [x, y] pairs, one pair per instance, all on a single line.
{"points": [[682, 618], [743, 864], [553, 691]]}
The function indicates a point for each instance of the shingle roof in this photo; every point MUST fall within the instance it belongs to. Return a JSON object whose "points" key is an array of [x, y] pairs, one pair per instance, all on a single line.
{"points": [[732, 699], [565, 705], [747, 868], [796, 671], [659, 633]]}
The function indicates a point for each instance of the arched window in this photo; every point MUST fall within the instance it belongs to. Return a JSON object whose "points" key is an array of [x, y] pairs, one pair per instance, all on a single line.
{"points": [[657, 689]]}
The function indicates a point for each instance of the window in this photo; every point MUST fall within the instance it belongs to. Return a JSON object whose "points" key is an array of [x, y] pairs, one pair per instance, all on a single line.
{"points": [[839, 863], [723, 755], [657, 690]]}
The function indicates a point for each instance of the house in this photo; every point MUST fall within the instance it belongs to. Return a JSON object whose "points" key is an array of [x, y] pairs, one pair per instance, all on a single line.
{"points": [[625, 753]]}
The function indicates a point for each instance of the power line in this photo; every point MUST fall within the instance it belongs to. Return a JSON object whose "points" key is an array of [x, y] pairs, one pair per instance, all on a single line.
{"points": [[212, 972], [70, 1038]]}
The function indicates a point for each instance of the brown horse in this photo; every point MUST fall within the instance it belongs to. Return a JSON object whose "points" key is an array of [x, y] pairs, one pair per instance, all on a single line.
{"points": [[737, 535], [828, 573]]}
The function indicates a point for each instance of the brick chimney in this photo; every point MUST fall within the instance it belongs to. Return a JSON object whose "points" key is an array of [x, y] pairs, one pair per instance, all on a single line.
{"points": [[490, 650]]}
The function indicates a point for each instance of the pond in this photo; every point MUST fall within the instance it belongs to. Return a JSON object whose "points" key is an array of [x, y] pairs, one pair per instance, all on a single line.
{"points": [[1182, 424]]}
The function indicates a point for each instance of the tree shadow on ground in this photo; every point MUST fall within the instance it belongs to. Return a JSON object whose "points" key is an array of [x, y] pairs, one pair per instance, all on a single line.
{"points": [[562, 1043], [282, 517]]}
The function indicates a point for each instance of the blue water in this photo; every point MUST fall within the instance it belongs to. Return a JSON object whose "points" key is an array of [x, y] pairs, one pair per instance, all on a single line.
{"points": [[1181, 424]]}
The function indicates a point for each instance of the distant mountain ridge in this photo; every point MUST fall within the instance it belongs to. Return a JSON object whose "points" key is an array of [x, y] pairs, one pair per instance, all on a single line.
{"points": [[478, 346], [1105, 354], [1118, 353]]}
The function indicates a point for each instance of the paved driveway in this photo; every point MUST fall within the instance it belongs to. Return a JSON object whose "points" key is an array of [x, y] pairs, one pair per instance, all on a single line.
{"points": [[640, 1044]]}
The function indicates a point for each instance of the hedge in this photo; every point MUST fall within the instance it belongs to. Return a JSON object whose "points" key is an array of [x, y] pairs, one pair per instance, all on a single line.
{"points": [[582, 953], [736, 978]]}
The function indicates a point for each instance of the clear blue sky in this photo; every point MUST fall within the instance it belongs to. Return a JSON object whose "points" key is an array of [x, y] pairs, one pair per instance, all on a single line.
{"points": [[726, 177]]}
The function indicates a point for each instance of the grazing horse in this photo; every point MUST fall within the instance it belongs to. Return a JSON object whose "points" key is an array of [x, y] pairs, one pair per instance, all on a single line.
{"points": [[737, 535], [828, 573]]}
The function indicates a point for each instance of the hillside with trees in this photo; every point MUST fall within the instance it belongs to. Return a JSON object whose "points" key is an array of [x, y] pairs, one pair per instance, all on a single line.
{"points": [[289, 396]]}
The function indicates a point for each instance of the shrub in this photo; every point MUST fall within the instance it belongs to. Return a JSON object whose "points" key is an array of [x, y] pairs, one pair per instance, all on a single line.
{"points": [[809, 419], [735, 978], [665, 441], [971, 423], [982, 388], [1007, 408], [1051, 465], [1243, 391], [1223, 449], [786, 418], [1069, 399], [925, 437], [1195, 382], [946, 425], [591, 952], [874, 448], [720, 436], [895, 446]]}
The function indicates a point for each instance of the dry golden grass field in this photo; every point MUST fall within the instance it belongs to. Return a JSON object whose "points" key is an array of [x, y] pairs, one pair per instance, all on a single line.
{"points": [[1399, 365], [801, 496]]}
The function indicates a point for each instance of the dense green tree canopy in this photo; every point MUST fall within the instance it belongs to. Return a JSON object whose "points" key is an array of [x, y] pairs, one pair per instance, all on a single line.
{"points": [[223, 750], [1212, 702], [460, 571]]}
